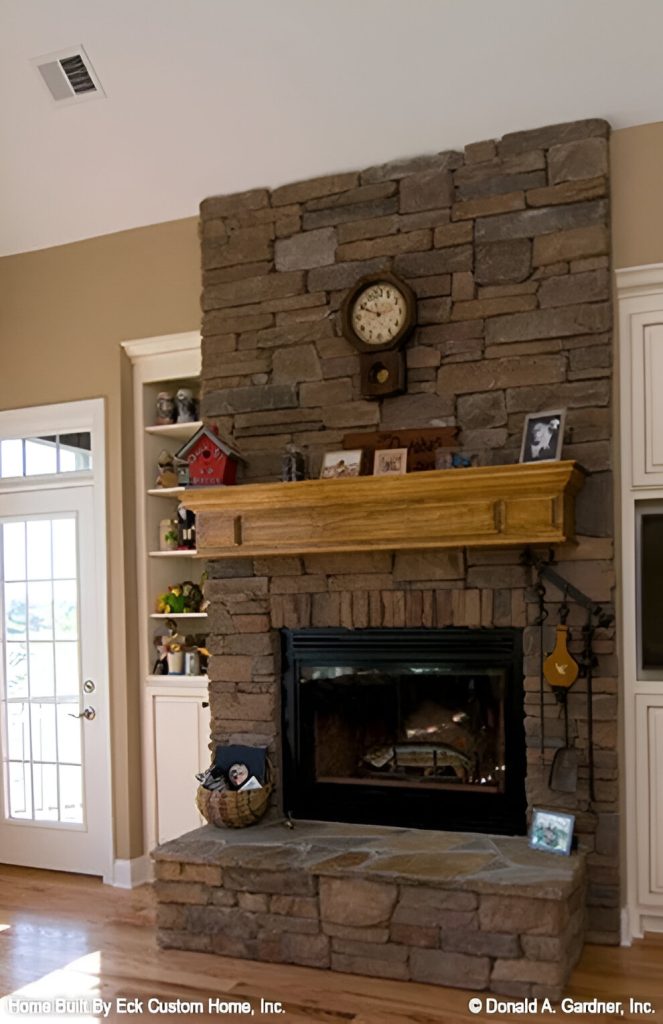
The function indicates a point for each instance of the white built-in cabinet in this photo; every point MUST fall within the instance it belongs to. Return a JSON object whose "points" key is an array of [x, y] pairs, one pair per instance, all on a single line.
{"points": [[175, 716], [640, 296]]}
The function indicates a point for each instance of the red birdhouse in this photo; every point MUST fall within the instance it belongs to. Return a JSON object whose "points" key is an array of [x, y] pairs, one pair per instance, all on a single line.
{"points": [[207, 461]]}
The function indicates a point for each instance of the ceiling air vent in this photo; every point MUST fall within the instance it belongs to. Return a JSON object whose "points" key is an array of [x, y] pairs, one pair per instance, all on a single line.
{"points": [[69, 75]]}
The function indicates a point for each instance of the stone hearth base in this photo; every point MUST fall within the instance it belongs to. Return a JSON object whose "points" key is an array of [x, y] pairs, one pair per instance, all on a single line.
{"points": [[473, 911]]}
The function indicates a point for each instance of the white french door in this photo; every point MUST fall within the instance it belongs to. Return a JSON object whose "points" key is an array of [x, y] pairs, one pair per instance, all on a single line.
{"points": [[54, 797]]}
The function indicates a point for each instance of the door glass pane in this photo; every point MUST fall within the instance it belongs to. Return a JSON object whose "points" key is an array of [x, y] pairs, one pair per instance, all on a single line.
{"points": [[14, 551], [15, 611], [44, 744], [67, 675], [71, 793], [45, 790], [20, 799], [40, 664], [41, 456], [16, 670], [39, 549], [41, 743], [11, 458], [18, 737], [64, 549], [75, 454], [69, 734], [40, 611], [65, 606]]}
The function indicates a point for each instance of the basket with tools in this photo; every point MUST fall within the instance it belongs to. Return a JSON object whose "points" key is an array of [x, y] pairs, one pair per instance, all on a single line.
{"points": [[234, 791]]}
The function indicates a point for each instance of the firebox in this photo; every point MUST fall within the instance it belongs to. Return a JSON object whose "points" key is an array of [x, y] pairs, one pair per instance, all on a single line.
{"points": [[421, 728]]}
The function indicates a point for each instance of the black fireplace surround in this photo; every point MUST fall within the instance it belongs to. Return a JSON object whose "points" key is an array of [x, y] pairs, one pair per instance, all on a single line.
{"points": [[419, 728]]}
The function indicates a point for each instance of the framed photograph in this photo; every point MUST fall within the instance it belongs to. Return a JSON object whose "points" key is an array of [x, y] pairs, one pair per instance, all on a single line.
{"points": [[543, 436], [390, 460], [341, 464], [551, 831]]}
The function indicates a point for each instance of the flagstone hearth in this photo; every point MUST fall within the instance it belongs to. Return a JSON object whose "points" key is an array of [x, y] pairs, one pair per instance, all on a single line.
{"points": [[459, 909]]}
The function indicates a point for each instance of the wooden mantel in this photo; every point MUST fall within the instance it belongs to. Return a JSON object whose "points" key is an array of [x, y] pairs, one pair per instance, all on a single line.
{"points": [[490, 506]]}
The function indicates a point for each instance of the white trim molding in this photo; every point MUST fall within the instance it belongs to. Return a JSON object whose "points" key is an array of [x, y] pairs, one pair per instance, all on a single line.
{"points": [[156, 363], [143, 348], [129, 874], [640, 347], [643, 280]]}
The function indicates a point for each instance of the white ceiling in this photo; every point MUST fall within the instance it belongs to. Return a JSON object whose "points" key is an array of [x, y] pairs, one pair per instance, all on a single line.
{"points": [[215, 96]]}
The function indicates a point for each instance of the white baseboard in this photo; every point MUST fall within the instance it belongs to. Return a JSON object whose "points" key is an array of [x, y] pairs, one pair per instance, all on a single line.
{"points": [[652, 923], [127, 874], [626, 932]]}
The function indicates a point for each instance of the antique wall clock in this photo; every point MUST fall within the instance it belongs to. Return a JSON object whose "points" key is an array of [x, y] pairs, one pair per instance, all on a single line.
{"points": [[377, 317]]}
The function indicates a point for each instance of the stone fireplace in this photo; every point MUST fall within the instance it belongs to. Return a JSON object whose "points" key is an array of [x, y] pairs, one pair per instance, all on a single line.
{"points": [[506, 246]]}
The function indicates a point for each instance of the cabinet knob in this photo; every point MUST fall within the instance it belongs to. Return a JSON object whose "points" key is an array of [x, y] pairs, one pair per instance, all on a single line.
{"points": [[204, 703]]}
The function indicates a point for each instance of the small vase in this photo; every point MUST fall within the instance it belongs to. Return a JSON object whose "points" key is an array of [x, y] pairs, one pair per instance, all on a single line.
{"points": [[175, 663], [168, 535], [165, 408], [191, 663]]}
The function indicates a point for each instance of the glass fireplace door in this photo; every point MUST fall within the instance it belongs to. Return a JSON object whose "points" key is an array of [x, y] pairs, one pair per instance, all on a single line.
{"points": [[420, 728]]}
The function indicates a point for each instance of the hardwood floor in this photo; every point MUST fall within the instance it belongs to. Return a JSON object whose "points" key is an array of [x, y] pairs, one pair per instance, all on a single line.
{"points": [[71, 937]]}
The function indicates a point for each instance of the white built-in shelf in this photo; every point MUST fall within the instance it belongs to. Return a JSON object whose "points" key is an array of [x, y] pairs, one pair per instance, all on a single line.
{"points": [[166, 492], [178, 679], [175, 431], [183, 553], [178, 615]]}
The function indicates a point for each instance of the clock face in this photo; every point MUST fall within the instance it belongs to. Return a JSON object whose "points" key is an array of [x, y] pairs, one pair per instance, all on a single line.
{"points": [[379, 313]]}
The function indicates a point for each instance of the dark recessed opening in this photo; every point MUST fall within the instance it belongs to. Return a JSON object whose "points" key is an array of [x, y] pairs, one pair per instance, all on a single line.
{"points": [[412, 727]]}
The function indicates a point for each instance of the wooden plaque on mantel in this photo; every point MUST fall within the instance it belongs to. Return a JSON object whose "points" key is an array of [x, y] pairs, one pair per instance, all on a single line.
{"points": [[421, 443]]}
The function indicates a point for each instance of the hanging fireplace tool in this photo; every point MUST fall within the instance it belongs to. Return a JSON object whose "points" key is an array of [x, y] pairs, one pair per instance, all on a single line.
{"points": [[561, 671], [563, 773]]}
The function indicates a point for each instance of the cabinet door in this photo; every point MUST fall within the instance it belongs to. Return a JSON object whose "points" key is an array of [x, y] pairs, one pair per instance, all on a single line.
{"points": [[649, 744], [181, 735], [647, 408]]}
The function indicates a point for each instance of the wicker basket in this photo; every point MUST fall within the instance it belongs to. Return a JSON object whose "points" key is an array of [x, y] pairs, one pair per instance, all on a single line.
{"points": [[233, 809]]}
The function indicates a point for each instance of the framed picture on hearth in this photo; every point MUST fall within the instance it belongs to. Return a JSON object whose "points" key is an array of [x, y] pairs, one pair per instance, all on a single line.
{"points": [[543, 436], [551, 831]]}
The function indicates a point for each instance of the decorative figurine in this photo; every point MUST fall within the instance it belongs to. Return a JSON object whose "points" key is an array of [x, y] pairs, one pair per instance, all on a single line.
{"points": [[186, 529], [166, 409], [182, 598], [187, 406], [167, 476], [293, 465]]}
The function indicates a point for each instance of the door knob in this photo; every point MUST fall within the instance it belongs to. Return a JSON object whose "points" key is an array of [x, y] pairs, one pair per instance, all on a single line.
{"points": [[88, 713]]}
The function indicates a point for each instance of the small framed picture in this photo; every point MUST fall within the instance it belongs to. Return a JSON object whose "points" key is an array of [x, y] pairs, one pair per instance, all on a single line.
{"points": [[390, 460], [551, 831], [543, 436], [341, 464]]}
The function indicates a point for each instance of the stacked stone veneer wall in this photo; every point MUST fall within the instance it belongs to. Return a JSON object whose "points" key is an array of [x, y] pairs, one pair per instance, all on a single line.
{"points": [[507, 248]]}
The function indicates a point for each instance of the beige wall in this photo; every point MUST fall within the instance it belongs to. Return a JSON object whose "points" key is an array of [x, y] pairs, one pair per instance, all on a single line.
{"points": [[63, 313], [637, 195]]}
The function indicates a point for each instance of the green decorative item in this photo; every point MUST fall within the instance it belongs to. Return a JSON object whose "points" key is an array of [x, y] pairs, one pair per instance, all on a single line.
{"points": [[184, 598]]}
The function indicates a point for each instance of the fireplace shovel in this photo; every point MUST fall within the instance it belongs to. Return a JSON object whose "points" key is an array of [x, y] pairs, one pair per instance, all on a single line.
{"points": [[561, 671]]}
